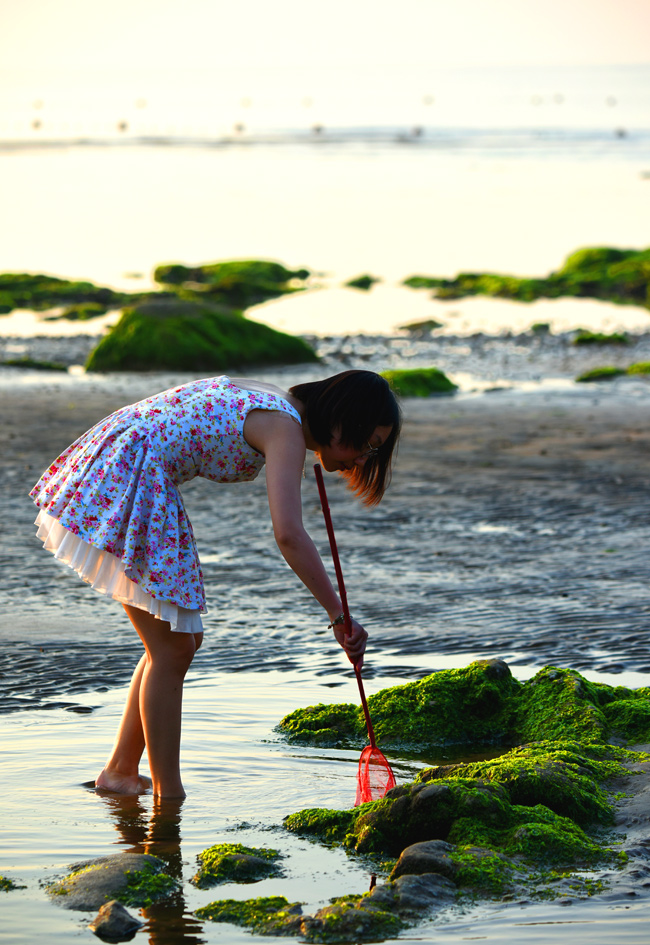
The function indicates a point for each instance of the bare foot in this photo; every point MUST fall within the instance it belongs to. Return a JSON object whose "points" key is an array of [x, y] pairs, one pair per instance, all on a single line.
{"points": [[123, 783]]}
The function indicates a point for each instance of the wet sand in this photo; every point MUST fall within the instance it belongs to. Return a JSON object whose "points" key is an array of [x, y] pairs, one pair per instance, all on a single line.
{"points": [[515, 527]]}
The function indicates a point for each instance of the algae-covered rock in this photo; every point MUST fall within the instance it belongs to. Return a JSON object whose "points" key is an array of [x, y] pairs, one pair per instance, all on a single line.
{"points": [[6, 884], [564, 776], [40, 292], [621, 276], [640, 367], [419, 382], [269, 915], [605, 373], [173, 334], [237, 284], [468, 706], [584, 336], [560, 704], [364, 282], [234, 863], [133, 879], [350, 921], [481, 704]]}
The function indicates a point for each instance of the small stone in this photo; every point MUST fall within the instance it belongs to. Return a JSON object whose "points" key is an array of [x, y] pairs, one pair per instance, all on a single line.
{"points": [[429, 856], [418, 894], [114, 922]]}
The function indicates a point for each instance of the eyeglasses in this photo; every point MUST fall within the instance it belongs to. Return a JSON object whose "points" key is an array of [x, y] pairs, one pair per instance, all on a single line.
{"points": [[371, 451]]}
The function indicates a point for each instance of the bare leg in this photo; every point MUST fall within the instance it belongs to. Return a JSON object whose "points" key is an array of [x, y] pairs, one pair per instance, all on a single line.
{"points": [[152, 714]]}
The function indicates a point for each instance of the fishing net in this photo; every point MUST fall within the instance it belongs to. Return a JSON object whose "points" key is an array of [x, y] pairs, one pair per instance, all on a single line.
{"points": [[374, 777]]}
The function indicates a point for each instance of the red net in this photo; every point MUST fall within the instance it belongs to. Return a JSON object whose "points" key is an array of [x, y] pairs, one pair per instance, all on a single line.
{"points": [[374, 777]]}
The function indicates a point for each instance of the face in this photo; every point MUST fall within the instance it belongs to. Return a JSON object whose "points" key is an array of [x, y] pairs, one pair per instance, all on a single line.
{"points": [[338, 456]]}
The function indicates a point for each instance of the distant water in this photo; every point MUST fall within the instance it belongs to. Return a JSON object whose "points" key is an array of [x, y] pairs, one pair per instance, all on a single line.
{"points": [[393, 174]]}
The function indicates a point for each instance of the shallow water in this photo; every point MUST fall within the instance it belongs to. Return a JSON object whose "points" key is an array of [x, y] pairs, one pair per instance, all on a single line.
{"points": [[242, 779]]}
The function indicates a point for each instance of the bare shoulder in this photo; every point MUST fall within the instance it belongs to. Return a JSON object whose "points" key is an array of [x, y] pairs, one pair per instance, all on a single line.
{"points": [[268, 429]]}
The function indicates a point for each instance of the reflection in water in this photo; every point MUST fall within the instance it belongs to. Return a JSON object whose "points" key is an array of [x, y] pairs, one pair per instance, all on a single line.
{"points": [[159, 833]]}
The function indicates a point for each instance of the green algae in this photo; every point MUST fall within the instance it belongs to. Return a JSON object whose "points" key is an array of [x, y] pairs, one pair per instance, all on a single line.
{"points": [[39, 293], [469, 706], [6, 884], [563, 776], [605, 373], [173, 334], [34, 365], [364, 282], [621, 276], [530, 817], [419, 382], [347, 920], [609, 372], [235, 863], [146, 886], [586, 337], [270, 915], [480, 704], [237, 284]]}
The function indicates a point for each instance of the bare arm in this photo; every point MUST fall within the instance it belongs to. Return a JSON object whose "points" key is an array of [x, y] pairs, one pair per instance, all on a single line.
{"points": [[281, 440]]}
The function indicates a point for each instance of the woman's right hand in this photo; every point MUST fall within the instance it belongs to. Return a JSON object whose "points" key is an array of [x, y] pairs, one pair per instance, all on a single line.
{"points": [[354, 643]]}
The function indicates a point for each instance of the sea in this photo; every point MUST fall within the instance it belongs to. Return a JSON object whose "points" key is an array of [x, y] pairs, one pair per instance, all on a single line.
{"points": [[386, 172]]}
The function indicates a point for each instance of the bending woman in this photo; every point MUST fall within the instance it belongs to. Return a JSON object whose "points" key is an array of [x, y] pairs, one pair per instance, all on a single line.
{"points": [[110, 507]]}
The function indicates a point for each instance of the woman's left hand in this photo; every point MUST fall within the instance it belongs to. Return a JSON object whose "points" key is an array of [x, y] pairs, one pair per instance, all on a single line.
{"points": [[353, 643]]}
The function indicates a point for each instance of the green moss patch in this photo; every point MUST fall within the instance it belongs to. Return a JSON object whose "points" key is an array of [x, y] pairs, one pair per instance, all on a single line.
{"points": [[478, 705], [236, 284], [173, 334], [350, 919], [270, 915], [585, 337], [605, 373], [40, 292], [364, 282], [34, 365], [473, 705], [145, 886], [419, 382], [615, 275], [6, 884], [234, 863]]}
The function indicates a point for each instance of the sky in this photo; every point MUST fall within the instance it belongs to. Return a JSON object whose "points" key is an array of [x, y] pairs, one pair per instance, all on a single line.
{"points": [[182, 35]]}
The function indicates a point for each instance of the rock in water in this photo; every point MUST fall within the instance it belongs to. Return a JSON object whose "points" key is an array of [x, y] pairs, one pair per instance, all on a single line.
{"points": [[114, 922]]}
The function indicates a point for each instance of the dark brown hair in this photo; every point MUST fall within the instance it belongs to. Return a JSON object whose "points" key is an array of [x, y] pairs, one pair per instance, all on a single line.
{"points": [[356, 402]]}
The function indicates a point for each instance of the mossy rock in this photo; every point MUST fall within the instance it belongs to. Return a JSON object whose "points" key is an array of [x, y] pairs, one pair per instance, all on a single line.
{"points": [[33, 364], [237, 283], [175, 334], [234, 863], [364, 282], [40, 292], [419, 382], [641, 367], [83, 311], [480, 704], [562, 776], [585, 337], [560, 704], [7, 885], [605, 373], [350, 919], [469, 706], [269, 915], [621, 276], [423, 327]]}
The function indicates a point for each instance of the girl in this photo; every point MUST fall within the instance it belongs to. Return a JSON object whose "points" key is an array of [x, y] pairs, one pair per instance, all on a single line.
{"points": [[110, 508]]}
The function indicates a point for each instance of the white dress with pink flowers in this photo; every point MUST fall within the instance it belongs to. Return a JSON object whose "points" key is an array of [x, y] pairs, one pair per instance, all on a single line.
{"points": [[110, 505]]}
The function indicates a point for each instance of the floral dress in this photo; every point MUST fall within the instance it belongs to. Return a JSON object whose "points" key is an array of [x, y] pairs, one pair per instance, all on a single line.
{"points": [[111, 506]]}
